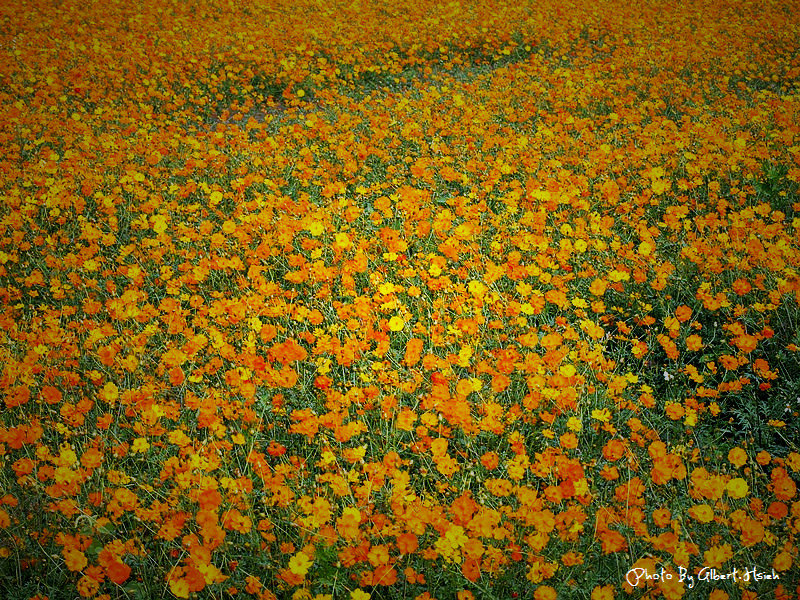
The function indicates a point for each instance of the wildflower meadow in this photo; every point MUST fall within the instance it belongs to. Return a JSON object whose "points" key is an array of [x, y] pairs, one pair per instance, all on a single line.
{"points": [[399, 300]]}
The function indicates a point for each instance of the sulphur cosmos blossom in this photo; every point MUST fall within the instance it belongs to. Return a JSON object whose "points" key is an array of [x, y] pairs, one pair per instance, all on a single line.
{"points": [[299, 564]]}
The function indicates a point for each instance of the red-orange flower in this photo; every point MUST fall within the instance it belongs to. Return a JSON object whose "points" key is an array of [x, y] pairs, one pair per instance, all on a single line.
{"points": [[118, 572]]}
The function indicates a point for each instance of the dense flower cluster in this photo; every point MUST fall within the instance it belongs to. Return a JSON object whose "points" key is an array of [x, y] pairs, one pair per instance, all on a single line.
{"points": [[405, 300]]}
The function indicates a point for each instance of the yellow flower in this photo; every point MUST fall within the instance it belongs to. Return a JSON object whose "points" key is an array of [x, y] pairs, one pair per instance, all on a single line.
{"points": [[567, 370], [359, 595], [581, 487], [140, 445], [216, 197], [456, 536], [396, 323], [179, 587], [464, 355], [299, 564], [378, 555], [342, 241], [737, 487], [524, 289], [477, 288], [602, 414], [617, 276], [109, 393], [316, 228], [659, 186], [702, 512], [159, 223]]}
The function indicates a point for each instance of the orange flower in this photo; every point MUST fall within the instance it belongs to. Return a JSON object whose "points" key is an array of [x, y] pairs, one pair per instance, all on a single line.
{"points": [[669, 346], [671, 587], [23, 466], [407, 543], [107, 354], [592, 329], [75, 559], [598, 287], [88, 586], [126, 498], [209, 499], [683, 313], [783, 561], [500, 382], [405, 419], [51, 395], [763, 458], [612, 541], [498, 487], [745, 343], [569, 440], [661, 517], [464, 387], [471, 569], [741, 287], [173, 358], [348, 524], [378, 555], [716, 556], [176, 376], [413, 351], [783, 486], [752, 532], [195, 580], [287, 352], [674, 410], [737, 457], [118, 572], [605, 592], [545, 592], [694, 342], [490, 460], [551, 341], [777, 510], [614, 450]]}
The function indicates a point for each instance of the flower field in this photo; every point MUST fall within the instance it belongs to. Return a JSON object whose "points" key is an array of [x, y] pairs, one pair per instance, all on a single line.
{"points": [[369, 299]]}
